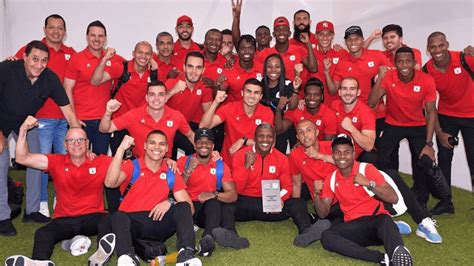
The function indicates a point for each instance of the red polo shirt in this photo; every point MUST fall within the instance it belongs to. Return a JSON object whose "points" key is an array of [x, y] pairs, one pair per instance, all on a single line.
{"points": [[391, 56], [324, 119], [236, 77], [164, 68], [188, 102], [455, 87], [309, 168], [214, 69], [353, 199], [132, 93], [139, 123], [179, 53], [362, 117], [406, 101], [203, 178], [149, 189], [79, 189], [294, 55], [334, 56], [312, 38], [57, 63], [239, 125], [274, 166], [89, 100], [364, 69]]}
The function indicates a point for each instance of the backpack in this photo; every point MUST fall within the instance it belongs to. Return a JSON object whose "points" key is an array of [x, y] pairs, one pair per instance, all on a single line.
{"points": [[126, 77], [464, 64], [219, 172], [399, 207], [136, 174]]}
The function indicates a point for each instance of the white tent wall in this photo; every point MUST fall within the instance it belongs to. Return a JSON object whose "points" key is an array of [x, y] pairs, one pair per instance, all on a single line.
{"points": [[130, 21]]}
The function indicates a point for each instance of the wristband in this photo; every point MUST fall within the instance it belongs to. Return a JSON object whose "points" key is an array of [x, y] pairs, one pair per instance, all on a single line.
{"points": [[245, 141]]}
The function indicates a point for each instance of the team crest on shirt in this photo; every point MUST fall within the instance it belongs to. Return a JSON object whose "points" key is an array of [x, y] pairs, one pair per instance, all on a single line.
{"points": [[212, 171], [88, 65], [335, 60], [318, 122], [259, 76], [272, 169], [169, 123], [219, 70], [292, 58], [304, 162], [258, 121], [67, 56], [148, 79], [457, 70], [108, 63], [313, 45], [349, 69], [354, 119], [163, 176], [92, 170], [238, 78], [66, 169], [416, 88], [371, 64], [142, 121], [198, 92]]}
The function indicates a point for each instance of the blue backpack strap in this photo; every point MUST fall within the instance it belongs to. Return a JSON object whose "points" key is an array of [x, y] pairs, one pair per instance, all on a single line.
{"points": [[135, 175], [219, 174], [170, 178], [188, 160]]}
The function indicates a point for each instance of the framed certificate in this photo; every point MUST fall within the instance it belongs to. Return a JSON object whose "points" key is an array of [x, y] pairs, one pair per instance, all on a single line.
{"points": [[271, 199]]}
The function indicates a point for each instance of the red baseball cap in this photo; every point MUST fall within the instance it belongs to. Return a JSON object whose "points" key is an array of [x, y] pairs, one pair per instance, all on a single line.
{"points": [[281, 21], [324, 25], [184, 18]]}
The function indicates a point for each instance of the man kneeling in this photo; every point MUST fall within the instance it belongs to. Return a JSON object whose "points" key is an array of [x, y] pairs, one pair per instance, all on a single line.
{"points": [[146, 210], [366, 221]]}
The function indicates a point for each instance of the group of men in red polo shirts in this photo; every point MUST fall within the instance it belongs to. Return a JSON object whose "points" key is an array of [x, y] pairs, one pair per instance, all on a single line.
{"points": [[180, 94]]}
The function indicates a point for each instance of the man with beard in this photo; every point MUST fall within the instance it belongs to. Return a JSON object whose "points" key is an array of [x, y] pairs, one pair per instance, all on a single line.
{"points": [[87, 99], [302, 26], [366, 221], [240, 118], [130, 94], [411, 114], [242, 70], [259, 162], [291, 54], [141, 120], [323, 117], [212, 190], [325, 53], [455, 107], [189, 96], [184, 44], [354, 117], [166, 65]]}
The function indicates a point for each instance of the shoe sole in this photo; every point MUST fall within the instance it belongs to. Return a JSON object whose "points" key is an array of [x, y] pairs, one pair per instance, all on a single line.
{"points": [[425, 237], [103, 253], [191, 262], [13, 233], [405, 224], [25, 261], [402, 257]]}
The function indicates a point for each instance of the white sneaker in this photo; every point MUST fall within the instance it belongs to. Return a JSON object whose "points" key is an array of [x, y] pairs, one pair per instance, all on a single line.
{"points": [[78, 245], [44, 208], [128, 260], [103, 253], [427, 230]]}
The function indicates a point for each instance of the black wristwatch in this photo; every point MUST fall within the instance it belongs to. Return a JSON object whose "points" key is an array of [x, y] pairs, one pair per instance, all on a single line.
{"points": [[371, 185], [429, 143]]}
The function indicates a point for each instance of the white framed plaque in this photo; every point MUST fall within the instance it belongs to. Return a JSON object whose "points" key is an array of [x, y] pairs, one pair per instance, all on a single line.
{"points": [[271, 199]]}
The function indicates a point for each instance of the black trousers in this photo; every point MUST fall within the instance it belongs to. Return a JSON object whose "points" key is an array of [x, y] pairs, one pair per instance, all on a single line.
{"points": [[61, 229], [251, 209], [453, 125], [390, 142], [214, 213], [351, 238], [380, 128], [137, 225]]}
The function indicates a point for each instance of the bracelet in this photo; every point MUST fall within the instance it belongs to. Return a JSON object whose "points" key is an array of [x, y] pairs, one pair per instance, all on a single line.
{"points": [[245, 141]]}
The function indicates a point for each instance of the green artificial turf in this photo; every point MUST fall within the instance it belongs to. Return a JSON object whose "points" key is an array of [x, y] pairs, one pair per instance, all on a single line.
{"points": [[272, 243]]}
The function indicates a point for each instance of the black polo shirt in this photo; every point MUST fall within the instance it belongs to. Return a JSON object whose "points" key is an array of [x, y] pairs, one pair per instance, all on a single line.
{"points": [[19, 98]]}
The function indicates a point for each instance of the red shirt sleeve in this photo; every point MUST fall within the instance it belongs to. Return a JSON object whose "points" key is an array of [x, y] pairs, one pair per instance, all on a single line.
{"points": [[240, 174], [184, 127], [123, 121], [227, 174], [327, 192], [431, 89], [294, 169], [372, 173], [222, 111], [285, 180], [20, 52], [206, 95], [178, 183], [115, 70], [52, 161], [127, 168], [331, 122], [71, 68]]}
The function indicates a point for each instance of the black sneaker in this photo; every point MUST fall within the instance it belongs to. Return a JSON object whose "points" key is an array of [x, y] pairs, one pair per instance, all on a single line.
{"points": [[7, 228], [229, 239], [35, 217], [401, 257], [312, 233], [206, 246], [186, 258], [443, 207]]}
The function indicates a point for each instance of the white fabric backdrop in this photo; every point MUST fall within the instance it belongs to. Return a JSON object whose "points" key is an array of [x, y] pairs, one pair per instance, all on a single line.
{"points": [[130, 21]]}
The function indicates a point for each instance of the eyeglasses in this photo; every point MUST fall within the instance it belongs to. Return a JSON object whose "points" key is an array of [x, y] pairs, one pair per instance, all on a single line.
{"points": [[75, 141]]}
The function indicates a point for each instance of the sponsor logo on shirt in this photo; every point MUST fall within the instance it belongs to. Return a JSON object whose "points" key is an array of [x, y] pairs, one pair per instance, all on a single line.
{"points": [[416, 88], [67, 56], [258, 121], [371, 64], [457, 70], [92, 171], [213, 171], [354, 119], [169, 123], [272, 169], [259, 76]]}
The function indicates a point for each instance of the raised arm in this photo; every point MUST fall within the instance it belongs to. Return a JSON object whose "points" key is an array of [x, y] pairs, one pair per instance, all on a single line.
{"points": [[115, 176], [100, 76], [22, 153]]}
